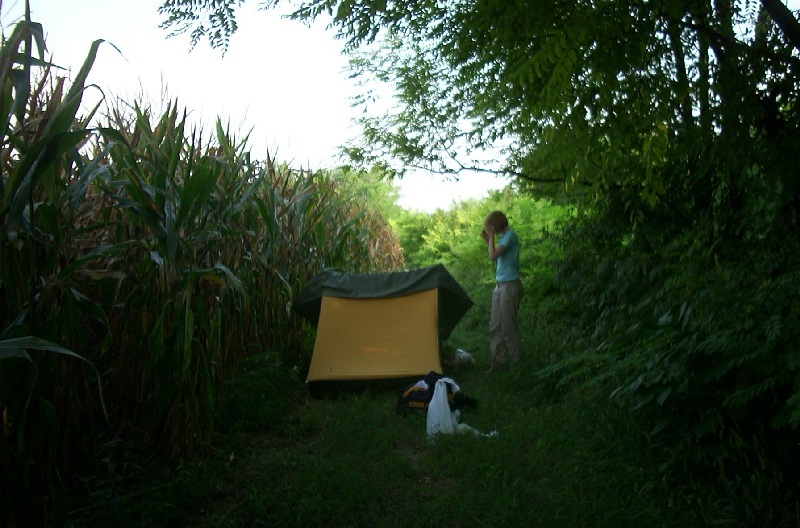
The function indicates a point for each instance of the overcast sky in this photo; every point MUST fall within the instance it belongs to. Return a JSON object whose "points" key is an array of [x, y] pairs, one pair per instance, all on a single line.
{"points": [[283, 80]]}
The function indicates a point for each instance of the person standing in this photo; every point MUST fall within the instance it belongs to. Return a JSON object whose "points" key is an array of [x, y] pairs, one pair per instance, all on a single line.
{"points": [[504, 337]]}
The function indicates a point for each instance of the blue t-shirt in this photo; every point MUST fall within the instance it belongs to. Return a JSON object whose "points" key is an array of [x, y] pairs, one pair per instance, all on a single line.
{"points": [[508, 262]]}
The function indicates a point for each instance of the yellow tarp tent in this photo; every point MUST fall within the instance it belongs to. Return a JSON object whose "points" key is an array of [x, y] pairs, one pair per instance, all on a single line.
{"points": [[380, 326]]}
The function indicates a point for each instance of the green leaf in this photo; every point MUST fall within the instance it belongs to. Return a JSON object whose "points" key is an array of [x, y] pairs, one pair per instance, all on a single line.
{"points": [[15, 345]]}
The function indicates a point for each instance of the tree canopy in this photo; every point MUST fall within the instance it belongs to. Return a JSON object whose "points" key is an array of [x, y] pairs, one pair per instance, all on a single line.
{"points": [[575, 92]]}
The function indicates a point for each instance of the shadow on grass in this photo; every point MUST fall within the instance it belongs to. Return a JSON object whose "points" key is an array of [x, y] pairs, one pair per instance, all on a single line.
{"points": [[283, 458]]}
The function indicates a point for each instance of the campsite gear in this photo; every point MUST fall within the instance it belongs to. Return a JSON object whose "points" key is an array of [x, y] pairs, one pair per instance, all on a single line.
{"points": [[418, 395], [461, 359], [380, 326], [440, 418]]}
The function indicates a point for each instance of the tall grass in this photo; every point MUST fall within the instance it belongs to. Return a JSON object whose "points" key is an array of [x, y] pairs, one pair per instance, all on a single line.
{"points": [[140, 262]]}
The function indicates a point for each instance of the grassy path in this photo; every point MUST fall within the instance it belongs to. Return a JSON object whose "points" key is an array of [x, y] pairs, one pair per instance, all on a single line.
{"points": [[281, 458]]}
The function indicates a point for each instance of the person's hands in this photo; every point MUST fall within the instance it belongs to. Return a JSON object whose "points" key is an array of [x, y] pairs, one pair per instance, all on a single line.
{"points": [[489, 230], [484, 235]]}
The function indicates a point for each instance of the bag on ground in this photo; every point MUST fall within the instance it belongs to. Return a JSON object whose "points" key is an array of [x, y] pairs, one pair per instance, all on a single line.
{"points": [[440, 418]]}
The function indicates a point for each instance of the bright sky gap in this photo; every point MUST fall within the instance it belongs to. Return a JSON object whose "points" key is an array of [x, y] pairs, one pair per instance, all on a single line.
{"points": [[281, 81]]}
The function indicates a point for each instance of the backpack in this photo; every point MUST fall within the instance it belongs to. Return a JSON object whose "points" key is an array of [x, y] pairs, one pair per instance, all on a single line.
{"points": [[418, 395]]}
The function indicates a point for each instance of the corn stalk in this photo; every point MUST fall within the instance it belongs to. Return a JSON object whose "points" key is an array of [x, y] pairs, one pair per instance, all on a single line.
{"points": [[49, 327], [150, 254]]}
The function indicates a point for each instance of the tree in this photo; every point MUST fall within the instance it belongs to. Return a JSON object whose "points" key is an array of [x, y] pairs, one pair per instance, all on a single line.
{"points": [[372, 189], [213, 19], [551, 85]]}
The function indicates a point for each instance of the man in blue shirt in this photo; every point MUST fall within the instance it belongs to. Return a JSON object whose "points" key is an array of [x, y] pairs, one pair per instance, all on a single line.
{"points": [[504, 339]]}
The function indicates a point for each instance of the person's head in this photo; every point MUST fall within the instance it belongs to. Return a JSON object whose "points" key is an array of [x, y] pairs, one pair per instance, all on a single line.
{"points": [[497, 220]]}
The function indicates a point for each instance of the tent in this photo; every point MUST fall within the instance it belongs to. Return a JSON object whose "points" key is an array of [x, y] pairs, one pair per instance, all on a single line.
{"points": [[380, 326]]}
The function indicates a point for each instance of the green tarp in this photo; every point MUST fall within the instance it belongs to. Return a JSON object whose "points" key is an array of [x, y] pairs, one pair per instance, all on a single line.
{"points": [[453, 301]]}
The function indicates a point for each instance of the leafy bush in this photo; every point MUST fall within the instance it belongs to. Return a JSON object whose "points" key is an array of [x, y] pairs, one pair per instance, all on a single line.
{"points": [[699, 342]]}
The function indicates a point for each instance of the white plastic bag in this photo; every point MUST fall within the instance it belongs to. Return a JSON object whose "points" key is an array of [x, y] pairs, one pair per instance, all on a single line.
{"points": [[440, 419]]}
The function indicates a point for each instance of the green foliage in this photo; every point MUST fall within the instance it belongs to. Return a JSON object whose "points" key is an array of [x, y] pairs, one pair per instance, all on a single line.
{"points": [[674, 128], [39, 128], [371, 189], [576, 93], [214, 20], [701, 351], [452, 237], [285, 459], [145, 259]]}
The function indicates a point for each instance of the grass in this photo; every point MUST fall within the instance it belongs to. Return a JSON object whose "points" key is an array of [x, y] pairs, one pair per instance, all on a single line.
{"points": [[282, 458]]}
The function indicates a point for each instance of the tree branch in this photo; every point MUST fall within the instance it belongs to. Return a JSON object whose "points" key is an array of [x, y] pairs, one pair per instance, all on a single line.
{"points": [[784, 19], [496, 172]]}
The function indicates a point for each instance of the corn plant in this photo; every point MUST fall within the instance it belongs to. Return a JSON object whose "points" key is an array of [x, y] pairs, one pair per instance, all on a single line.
{"points": [[146, 252], [48, 325], [214, 244]]}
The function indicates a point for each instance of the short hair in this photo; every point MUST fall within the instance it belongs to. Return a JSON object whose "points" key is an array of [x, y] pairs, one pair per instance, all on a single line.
{"points": [[497, 219]]}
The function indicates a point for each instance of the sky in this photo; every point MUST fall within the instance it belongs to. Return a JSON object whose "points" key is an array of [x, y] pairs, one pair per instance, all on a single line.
{"points": [[280, 81]]}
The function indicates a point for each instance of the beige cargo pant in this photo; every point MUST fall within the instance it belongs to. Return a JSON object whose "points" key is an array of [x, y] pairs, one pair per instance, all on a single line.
{"points": [[504, 339]]}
